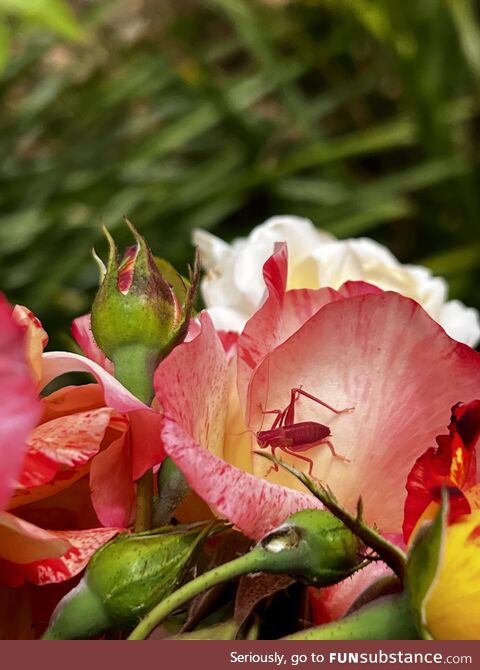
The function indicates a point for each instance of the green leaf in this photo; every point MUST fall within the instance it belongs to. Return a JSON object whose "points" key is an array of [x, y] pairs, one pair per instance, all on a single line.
{"points": [[387, 618], [424, 563], [54, 14], [4, 43], [463, 14]]}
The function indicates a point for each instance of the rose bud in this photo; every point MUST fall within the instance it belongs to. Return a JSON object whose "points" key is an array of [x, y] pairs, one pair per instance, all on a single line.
{"points": [[136, 317], [124, 580]]}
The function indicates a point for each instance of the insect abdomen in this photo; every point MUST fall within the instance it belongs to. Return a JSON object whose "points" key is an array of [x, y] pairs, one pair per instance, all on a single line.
{"points": [[306, 432]]}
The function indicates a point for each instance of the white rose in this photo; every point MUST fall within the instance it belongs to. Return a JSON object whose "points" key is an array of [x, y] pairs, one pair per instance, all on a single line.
{"points": [[233, 287]]}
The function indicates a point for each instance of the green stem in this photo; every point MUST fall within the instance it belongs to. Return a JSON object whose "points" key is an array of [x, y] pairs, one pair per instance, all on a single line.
{"points": [[251, 562], [144, 503], [172, 488], [388, 618], [80, 614], [134, 368]]}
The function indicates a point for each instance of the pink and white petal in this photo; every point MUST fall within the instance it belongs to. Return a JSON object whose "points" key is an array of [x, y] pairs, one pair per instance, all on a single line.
{"points": [[66, 442], [112, 489], [350, 289], [260, 332], [277, 319], [147, 447], [385, 357], [253, 505], [70, 399], [56, 363], [19, 403], [83, 544], [29, 321], [192, 386], [194, 329], [83, 336], [36, 339], [333, 602], [22, 542], [229, 340]]}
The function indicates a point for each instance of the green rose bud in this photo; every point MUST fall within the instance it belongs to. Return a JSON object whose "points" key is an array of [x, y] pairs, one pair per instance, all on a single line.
{"points": [[124, 580], [314, 546], [136, 316]]}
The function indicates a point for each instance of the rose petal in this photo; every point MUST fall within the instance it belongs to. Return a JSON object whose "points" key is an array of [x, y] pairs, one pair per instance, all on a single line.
{"points": [[451, 464], [36, 339], [70, 399], [280, 316], [83, 544], [111, 485], [229, 339], [66, 442], [19, 404], [145, 433], [22, 542], [333, 602], [192, 386], [83, 336], [56, 363], [254, 505], [352, 288], [384, 356]]}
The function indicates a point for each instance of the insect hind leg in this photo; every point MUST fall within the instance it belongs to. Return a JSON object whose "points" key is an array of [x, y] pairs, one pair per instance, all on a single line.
{"points": [[302, 458], [334, 452], [295, 392], [309, 460]]}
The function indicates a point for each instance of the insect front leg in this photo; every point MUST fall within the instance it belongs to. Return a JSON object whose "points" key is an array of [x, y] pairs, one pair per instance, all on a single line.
{"points": [[278, 442], [278, 419]]}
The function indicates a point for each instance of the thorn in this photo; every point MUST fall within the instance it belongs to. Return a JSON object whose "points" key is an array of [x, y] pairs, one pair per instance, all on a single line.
{"points": [[360, 510]]}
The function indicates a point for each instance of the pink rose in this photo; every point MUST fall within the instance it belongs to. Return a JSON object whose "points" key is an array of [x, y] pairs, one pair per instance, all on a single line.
{"points": [[360, 347]]}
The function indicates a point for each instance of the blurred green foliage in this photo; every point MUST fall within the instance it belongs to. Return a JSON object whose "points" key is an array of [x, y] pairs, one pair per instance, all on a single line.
{"points": [[360, 114], [52, 14]]}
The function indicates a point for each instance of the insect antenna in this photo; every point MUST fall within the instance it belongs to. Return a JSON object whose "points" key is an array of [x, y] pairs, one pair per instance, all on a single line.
{"points": [[247, 430]]}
